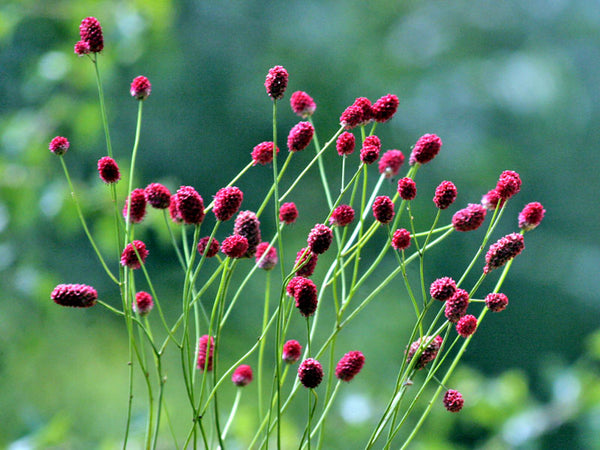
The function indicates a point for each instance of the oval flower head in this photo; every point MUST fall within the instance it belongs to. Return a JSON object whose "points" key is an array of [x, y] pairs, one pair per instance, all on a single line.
{"points": [[140, 88], [302, 104], [276, 82], [350, 365]]}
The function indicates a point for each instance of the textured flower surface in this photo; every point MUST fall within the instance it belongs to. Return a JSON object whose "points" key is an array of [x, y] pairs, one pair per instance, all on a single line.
{"points": [[426, 148], [91, 33], [247, 224], [227, 201], [137, 210], [503, 250], [82, 48], [469, 218], [453, 400], [319, 238], [140, 88], [173, 211], [466, 325], [190, 205], [445, 194], [342, 215], [242, 375], [407, 188], [288, 213], [158, 195], [302, 104], [351, 117], [383, 209], [292, 350], [143, 303], [74, 295], [108, 170], [345, 143], [213, 249], [390, 163], [205, 353], [457, 305], [263, 153], [531, 216], [369, 154], [234, 246], [491, 199], [401, 239], [300, 136], [306, 261], [129, 257], [59, 145], [385, 108], [428, 353], [442, 289], [310, 373], [508, 184], [266, 256], [276, 82], [305, 295], [496, 302], [350, 365]]}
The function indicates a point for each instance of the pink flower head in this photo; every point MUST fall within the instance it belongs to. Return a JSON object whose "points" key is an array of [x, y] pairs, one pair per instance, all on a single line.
{"points": [[401, 239], [307, 261], [291, 286], [140, 88], [503, 250], [74, 295], [496, 302], [531, 216], [288, 213], [407, 188], [426, 148], [213, 248], [469, 218], [302, 104], [205, 345], [227, 202], [491, 199], [263, 153], [173, 211], [390, 163], [276, 82], [305, 295], [82, 48], [269, 260], [190, 205], [310, 373], [300, 136], [129, 257], [373, 140], [383, 209], [234, 246], [365, 106], [292, 350], [442, 289], [342, 215], [137, 210], [466, 325], [445, 194], [350, 365], [453, 400], [457, 305], [384, 108], [108, 170], [247, 225], [143, 303], [91, 32], [351, 117], [319, 238], [509, 184], [428, 353], [158, 195], [242, 375], [59, 145], [345, 143], [369, 154]]}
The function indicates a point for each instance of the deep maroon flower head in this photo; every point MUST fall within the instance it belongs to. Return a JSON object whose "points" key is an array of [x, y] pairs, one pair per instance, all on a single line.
{"points": [[453, 400], [143, 303], [307, 260], [457, 305], [158, 195], [503, 250], [466, 325], [91, 32], [190, 205], [496, 302], [469, 218], [345, 143], [276, 82], [426, 148], [383, 209], [350, 365], [319, 238], [401, 239], [491, 199], [242, 375], [445, 194], [384, 108], [300, 136], [288, 213], [213, 249], [310, 373], [129, 257], [59, 145], [247, 225], [205, 346], [292, 350], [372, 140], [407, 188], [390, 163], [342, 215], [365, 106], [509, 184], [369, 154], [351, 117], [302, 104], [442, 288], [531, 216], [137, 210], [305, 294], [263, 153], [291, 286], [82, 48], [428, 353], [173, 211], [227, 202], [140, 88], [74, 295], [108, 170], [269, 260], [234, 246]]}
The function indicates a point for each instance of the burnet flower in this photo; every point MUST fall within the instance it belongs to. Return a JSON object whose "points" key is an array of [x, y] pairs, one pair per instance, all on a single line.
{"points": [[74, 295], [350, 365]]}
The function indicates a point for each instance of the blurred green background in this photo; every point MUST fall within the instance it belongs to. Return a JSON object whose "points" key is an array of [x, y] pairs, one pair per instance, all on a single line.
{"points": [[506, 85]]}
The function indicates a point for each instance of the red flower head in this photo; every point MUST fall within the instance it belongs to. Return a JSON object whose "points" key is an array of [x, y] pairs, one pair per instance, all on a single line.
{"points": [[190, 205], [469, 218], [263, 153], [307, 261], [234, 246], [370, 150], [205, 345], [227, 202], [288, 213], [384, 108], [59, 145], [319, 238], [269, 260], [173, 211], [291, 286], [158, 195], [350, 365], [247, 225], [242, 375], [291, 351], [428, 353], [74, 295], [300, 136], [341, 216], [91, 32], [426, 148], [82, 48], [442, 289], [383, 209], [503, 250], [305, 294], [108, 170], [372, 140], [310, 373], [491, 199], [137, 210], [129, 257], [445, 194], [140, 88], [466, 325], [531, 216], [453, 400], [508, 185], [345, 143], [213, 248], [276, 82], [457, 305], [390, 163], [365, 106], [496, 302], [351, 117], [407, 188], [401, 239], [143, 303], [302, 104]]}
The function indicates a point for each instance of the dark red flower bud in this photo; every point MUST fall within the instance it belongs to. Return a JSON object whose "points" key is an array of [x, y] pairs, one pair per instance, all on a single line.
{"points": [[302, 104], [508, 185], [426, 148], [269, 260], [469, 218], [247, 225], [140, 88], [531, 216], [108, 170], [407, 188], [491, 199], [350, 365], [351, 117], [74, 295], [190, 205], [401, 239], [319, 238], [345, 143], [143, 303], [341, 216], [173, 211], [91, 32], [365, 106], [263, 153], [445, 194], [242, 375], [466, 325], [390, 163], [442, 289], [234, 246], [213, 249], [428, 353], [288, 213], [276, 82], [292, 350], [305, 295], [310, 373], [82, 48], [206, 347], [496, 302], [300, 136], [158, 195], [129, 257], [457, 305], [453, 400], [383, 209], [227, 202], [59, 145], [384, 108], [503, 250], [291, 286], [137, 210], [307, 261]]}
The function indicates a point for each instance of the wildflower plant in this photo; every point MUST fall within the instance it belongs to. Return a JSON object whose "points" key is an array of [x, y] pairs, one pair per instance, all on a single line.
{"points": [[358, 217]]}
